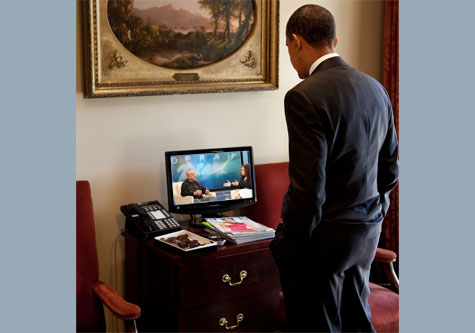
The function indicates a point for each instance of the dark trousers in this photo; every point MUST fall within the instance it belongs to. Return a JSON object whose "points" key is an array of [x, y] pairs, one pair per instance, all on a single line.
{"points": [[325, 285]]}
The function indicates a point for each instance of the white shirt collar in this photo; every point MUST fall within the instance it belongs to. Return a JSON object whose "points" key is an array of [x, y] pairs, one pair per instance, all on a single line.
{"points": [[320, 60]]}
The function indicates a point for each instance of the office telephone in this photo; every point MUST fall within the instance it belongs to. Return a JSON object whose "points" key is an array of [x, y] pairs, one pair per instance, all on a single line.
{"points": [[147, 219]]}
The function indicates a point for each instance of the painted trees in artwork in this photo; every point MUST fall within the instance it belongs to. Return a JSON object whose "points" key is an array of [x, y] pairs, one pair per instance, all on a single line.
{"points": [[174, 45], [226, 10]]}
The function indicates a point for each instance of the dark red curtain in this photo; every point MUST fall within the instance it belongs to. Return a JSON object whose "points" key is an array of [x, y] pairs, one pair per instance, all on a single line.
{"points": [[390, 233]]}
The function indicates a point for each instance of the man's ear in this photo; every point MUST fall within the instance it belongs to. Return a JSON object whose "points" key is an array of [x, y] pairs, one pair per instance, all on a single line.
{"points": [[298, 41], [335, 42]]}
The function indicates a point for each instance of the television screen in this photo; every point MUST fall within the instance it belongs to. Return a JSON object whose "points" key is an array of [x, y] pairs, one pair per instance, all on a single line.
{"points": [[205, 181]]}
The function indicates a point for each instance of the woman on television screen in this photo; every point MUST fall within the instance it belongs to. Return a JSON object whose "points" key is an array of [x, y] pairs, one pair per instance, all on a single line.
{"points": [[245, 181]]}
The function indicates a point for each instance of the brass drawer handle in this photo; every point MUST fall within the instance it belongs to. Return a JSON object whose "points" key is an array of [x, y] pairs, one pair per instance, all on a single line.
{"points": [[227, 278], [224, 322]]}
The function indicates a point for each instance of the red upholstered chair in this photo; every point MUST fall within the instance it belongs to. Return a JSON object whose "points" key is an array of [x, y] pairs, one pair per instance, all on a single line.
{"points": [[91, 293], [272, 181]]}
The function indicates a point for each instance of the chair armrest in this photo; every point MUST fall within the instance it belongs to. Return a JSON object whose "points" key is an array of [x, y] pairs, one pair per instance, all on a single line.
{"points": [[388, 257], [179, 200], [116, 304], [384, 255]]}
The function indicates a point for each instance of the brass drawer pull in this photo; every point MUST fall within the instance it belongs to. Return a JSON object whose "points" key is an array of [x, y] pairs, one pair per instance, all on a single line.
{"points": [[224, 322], [227, 278]]}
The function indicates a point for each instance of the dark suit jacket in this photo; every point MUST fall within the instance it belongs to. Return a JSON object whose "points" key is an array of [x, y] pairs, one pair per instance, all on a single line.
{"points": [[343, 149]]}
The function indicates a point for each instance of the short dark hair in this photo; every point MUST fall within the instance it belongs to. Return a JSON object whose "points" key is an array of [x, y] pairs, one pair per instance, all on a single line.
{"points": [[314, 23]]}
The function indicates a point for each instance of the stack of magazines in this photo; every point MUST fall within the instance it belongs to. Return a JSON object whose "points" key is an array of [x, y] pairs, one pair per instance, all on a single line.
{"points": [[238, 229]]}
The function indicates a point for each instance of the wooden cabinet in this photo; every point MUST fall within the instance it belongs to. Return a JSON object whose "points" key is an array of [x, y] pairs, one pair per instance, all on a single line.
{"points": [[179, 293]]}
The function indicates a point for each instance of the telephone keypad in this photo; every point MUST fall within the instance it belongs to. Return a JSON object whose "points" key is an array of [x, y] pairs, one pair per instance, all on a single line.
{"points": [[162, 219], [155, 219]]}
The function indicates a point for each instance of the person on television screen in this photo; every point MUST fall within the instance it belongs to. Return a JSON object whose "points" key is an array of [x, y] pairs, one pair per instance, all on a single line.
{"points": [[343, 163], [191, 187], [245, 181]]}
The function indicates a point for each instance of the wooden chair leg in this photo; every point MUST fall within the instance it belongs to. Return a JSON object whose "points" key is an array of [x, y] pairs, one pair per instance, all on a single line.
{"points": [[391, 275], [130, 326]]}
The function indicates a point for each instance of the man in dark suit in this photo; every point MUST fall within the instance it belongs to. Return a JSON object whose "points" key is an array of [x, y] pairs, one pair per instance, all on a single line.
{"points": [[343, 164]]}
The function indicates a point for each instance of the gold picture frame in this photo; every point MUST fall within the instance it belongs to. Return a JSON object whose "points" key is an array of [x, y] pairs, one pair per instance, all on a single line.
{"points": [[112, 69]]}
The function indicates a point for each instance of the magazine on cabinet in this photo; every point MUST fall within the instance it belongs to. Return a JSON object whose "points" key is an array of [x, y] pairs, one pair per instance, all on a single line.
{"points": [[238, 229]]}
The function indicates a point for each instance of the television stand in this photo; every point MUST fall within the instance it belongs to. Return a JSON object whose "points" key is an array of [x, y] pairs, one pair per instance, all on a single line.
{"points": [[195, 293]]}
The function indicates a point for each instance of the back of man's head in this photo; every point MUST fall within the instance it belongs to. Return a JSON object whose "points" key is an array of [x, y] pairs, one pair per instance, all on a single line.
{"points": [[314, 23]]}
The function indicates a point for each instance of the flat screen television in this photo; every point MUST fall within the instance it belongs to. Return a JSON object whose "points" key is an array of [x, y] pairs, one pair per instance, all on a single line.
{"points": [[227, 174]]}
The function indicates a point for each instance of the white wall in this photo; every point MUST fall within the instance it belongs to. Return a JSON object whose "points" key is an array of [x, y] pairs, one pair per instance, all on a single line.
{"points": [[120, 142]]}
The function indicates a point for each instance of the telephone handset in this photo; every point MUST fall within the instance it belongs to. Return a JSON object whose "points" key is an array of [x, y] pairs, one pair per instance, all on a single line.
{"points": [[148, 219]]}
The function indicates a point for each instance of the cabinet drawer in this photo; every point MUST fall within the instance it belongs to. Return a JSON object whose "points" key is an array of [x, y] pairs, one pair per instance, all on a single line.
{"points": [[202, 283], [259, 313]]}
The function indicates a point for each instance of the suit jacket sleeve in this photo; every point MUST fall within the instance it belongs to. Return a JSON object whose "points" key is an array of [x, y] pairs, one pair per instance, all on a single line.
{"points": [[307, 162], [388, 167]]}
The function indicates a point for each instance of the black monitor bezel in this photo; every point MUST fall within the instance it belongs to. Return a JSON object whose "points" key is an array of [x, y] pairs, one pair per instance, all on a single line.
{"points": [[208, 207]]}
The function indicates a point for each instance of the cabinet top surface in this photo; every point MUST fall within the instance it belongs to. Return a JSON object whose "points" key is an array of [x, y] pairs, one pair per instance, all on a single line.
{"points": [[228, 249]]}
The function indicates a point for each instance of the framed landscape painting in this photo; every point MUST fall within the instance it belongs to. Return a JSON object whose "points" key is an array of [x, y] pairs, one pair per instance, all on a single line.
{"points": [[153, 47]]}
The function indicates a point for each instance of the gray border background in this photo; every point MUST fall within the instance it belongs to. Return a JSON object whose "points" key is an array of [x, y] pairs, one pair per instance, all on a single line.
{"points": [[437, 167], [37, 168]]}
